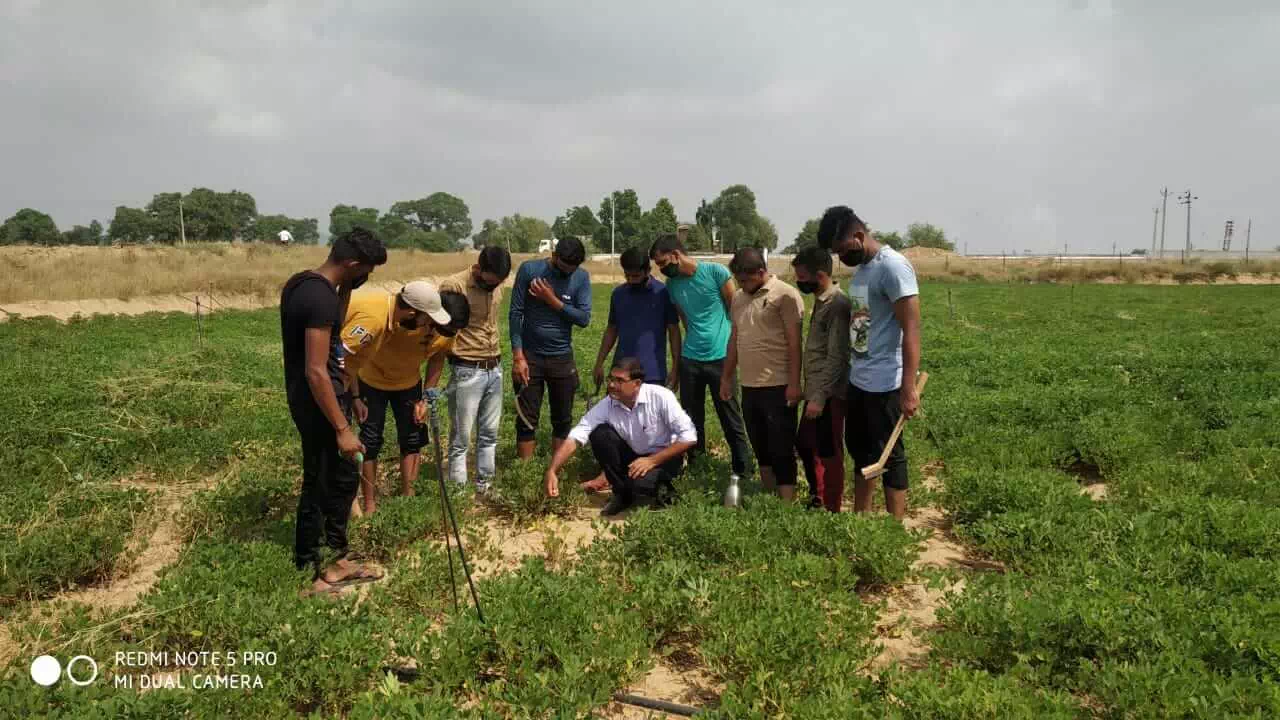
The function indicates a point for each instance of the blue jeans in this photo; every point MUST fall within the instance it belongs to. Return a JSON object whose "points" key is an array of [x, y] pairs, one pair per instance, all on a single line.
{"points": [[475, 402]]}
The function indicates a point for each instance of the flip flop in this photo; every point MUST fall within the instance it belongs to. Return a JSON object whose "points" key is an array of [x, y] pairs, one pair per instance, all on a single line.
{"points": [[363, 575]]}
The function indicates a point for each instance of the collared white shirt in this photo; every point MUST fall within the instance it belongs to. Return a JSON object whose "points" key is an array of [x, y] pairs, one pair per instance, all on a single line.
{"points": [[654, 424], [286, 237]]}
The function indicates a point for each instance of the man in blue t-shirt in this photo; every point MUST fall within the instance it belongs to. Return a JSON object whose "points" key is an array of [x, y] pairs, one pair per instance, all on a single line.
{"points": [[884, 331], [702, 293], [548, 298], [642, 322]]}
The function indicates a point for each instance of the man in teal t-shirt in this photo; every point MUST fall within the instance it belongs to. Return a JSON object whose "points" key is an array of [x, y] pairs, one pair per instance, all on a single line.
{"points": [[702, 292]]}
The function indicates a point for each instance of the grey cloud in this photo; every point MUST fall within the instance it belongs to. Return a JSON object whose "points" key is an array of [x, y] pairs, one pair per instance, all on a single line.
{"points": [[1011, 125]]}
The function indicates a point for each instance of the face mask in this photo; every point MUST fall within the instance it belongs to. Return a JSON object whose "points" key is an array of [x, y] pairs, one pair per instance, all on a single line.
{"points": [[480, 283], [409, 323], [671, 270], [808, 288], [359, 281], [853, 258], [564, 274]]}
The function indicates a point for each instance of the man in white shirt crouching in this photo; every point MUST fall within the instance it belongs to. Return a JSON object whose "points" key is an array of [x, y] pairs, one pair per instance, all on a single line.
{"points": [[639, 435]]}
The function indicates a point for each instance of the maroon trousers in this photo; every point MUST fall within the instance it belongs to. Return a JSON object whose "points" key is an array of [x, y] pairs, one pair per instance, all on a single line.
{"points": [[819, 444]]}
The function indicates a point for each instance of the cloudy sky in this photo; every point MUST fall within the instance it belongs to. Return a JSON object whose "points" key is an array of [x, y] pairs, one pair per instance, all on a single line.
{"points": [[1021, 124]]}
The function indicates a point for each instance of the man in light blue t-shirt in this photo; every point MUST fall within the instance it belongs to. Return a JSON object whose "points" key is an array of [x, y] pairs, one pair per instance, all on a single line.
{"points": [[703, 292], [884, 330]]}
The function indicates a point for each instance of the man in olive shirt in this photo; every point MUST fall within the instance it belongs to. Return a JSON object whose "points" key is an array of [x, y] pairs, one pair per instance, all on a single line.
{"points": [[764, 347], [826, 364], [475, 378]]}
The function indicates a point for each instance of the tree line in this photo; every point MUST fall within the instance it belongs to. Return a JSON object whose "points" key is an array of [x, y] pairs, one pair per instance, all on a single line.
{"points": [[922, 235], [440, 222], [202, 215]]}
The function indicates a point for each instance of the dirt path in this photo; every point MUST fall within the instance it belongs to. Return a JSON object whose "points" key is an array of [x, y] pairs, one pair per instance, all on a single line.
{"points": [[911, 609], [65, 310], [154, 550]]}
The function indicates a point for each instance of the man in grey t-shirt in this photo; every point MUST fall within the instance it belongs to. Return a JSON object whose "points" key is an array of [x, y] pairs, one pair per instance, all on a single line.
{"points": [[884, 331]]}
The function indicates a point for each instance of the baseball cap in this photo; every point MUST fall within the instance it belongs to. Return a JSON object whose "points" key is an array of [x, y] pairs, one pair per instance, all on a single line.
{"points": [[423, 297]]}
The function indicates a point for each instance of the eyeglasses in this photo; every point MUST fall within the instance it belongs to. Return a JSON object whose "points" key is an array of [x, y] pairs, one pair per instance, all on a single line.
{"points": [[615, 380]]}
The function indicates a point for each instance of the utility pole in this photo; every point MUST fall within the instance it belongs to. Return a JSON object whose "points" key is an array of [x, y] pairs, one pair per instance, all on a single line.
{"points": [[1227, 234], [182, 222], [1186, 199], [613, 219], [1164, 217], [1154, 224], [1248, 235]]}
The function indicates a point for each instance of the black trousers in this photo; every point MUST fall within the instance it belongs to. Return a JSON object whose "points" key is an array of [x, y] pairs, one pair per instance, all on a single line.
{"points": [[329, 484], [868, 423], [409, 435], [771, 425], [696, 377], [558, 374], [615, 456]]}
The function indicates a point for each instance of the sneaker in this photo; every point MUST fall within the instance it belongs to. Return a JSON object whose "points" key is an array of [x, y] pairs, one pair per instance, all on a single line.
{"points": [[615, 505]]}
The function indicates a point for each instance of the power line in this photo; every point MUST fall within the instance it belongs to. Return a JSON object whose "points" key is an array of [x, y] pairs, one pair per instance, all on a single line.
{"points": [[1164, 216], [1186, 199]]}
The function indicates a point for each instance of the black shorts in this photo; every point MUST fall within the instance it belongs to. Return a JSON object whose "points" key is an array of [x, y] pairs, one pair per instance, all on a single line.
{"points": [[868, 423], [558, 374], [771, 428], [409, 435]]}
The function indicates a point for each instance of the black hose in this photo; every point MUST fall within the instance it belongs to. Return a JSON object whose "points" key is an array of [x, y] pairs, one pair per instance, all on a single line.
{"points": [[661, 705], [448, 504]]}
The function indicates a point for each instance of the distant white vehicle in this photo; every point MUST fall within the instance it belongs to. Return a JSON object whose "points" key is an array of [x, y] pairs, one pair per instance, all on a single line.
{"points": [[285, 236], [546, 246]]}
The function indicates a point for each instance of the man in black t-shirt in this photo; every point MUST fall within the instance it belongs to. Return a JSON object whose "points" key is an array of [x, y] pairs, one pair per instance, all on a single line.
{"points": [[312, 306]]}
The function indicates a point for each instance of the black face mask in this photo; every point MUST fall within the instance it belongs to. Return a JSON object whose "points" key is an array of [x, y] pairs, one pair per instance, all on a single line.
{"points": [[483, 285], [853, 258], [409, 323], [807, 287], [359, 281], [671, 270]]}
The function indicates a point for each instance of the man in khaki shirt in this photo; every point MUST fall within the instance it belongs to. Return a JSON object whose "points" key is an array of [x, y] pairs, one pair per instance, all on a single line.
{"points": [[764, 347], [475, 378]]}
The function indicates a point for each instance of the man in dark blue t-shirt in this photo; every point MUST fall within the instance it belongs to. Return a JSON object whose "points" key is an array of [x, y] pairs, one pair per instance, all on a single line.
{"points": [[548, 298], [643, 322]]}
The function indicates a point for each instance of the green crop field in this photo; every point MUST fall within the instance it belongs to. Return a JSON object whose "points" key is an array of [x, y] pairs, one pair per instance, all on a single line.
{"points": [[1159, 599]]}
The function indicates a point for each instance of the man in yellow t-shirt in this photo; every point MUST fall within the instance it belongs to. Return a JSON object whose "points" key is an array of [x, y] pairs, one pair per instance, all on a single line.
{"points": [[386, 339]]}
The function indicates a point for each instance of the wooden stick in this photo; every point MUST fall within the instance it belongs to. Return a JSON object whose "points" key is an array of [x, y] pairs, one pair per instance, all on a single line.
{"points": [[876, 470]]}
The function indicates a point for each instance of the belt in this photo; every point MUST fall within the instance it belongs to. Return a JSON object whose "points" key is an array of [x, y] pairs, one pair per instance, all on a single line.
{"points": [[482, 364]]}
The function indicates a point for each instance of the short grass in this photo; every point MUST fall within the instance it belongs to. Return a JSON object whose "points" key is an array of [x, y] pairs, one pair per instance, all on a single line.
{"points": [[1157, 602]]}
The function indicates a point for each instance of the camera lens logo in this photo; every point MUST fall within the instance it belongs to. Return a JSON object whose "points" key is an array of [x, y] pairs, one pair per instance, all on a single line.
{"points": [[45, 670]]}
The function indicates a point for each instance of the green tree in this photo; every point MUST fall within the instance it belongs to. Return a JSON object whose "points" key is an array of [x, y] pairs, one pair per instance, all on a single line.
{"points": [[892, 239], [81, 235], [130, 225], [29, 227], [739, 224], [699, 239], [661, 219], [304, 230], [628, 221], [520, 233], [345, 218], [210, 215], [806, 238], [165, 223], [577, 221], [437, 212], [487, 230], [928, 236]]}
